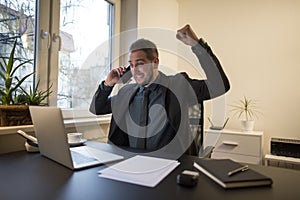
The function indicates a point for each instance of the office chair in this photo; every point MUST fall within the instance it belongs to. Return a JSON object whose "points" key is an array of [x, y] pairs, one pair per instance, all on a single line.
{"points": [[196, 114]]}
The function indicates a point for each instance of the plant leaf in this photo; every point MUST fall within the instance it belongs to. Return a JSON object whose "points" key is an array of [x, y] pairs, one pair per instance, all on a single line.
{"points": [[18, 66], [11, 58], [21, 81], [2, 66], [8, 83]]}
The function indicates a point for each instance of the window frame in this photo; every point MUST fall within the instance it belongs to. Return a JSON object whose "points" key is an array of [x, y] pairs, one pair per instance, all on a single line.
{"points": [[47, 49]]}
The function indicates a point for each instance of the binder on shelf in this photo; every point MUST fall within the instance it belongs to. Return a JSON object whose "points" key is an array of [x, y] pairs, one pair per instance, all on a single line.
{"points": [[230, 174]]}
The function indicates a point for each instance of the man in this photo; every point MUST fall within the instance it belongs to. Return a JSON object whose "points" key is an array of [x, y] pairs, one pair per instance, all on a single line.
{"points": [[153, 113]]}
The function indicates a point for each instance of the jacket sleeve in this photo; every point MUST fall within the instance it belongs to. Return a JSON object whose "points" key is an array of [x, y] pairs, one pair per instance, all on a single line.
{"points": [[217, 82], [101, 102]]}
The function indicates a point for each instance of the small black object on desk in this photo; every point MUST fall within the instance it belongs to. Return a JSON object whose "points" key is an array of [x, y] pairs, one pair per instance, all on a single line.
{"points": [[188, 178]]}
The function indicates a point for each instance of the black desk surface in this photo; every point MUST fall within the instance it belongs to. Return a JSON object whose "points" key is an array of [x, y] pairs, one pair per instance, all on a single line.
{"points": [[31, 176]]}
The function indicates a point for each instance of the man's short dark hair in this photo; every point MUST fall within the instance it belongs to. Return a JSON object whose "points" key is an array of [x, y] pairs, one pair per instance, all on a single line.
{"points": [[145, 45]]}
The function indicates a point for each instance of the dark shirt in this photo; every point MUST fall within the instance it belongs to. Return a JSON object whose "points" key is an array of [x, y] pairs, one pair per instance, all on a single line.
{"points": [[157, 127]]}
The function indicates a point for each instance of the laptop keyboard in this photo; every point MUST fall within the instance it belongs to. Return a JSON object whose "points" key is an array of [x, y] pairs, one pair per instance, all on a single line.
{"points": [[79, 158]]}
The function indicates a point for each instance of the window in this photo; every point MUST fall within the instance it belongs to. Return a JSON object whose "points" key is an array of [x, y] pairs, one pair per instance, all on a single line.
{"points": [[72, 40], [85, 29], [17, 23]]}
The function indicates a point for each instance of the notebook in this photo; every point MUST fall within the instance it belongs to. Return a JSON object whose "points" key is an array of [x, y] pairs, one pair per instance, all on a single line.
{"points": [[219, 171], [53, 142]]}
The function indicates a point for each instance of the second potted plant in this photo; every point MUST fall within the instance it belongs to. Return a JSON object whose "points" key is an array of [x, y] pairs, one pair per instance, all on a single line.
{"points": [[14, 100], [246, 110]]}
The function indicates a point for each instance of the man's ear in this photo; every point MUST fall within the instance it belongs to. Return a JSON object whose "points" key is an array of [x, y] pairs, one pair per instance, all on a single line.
{"points": [[156, 62]]}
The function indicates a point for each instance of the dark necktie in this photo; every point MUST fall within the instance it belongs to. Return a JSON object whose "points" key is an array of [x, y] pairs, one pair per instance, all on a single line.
{"points": [[141, 141]]}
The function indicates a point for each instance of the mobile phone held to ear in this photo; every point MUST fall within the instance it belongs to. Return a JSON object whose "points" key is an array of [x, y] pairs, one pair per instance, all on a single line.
{"points": [[126, 76]]}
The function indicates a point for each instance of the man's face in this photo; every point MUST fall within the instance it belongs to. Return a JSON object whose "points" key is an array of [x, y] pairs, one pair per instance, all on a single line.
{"points": [[144, 71]]}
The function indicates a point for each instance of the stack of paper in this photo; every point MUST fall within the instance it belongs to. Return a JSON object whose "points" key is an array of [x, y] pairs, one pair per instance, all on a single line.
{"points": [[141, 170]]}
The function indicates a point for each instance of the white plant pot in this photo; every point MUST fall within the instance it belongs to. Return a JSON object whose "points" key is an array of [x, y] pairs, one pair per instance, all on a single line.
{"points": [[247, 125]]}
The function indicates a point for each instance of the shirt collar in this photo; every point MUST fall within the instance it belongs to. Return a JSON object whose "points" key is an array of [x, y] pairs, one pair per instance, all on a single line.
{"points": [[155, 84]]}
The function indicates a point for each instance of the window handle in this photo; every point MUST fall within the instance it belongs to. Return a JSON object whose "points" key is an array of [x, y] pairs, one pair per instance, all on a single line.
{"points": [[56, 37], [46, 35]]}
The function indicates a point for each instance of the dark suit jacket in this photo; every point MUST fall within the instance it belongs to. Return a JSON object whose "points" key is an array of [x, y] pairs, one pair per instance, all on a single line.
{"points": [[180, 93]]}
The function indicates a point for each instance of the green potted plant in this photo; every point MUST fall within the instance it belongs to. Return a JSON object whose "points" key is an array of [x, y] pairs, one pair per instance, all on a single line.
{"points": [[34, 96], [13, 111], [247, 111], [10, 82]]}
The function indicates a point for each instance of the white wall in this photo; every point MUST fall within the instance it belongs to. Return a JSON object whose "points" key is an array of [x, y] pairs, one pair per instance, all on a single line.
{"points": [[258, 45], [157, 21]]}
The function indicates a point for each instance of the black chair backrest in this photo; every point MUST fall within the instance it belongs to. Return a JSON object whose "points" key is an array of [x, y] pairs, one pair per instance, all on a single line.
{"points": [[196, 127]]}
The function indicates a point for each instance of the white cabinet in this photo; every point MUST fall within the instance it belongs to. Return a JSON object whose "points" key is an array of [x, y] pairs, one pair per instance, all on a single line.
{"points": [[239, 146]]}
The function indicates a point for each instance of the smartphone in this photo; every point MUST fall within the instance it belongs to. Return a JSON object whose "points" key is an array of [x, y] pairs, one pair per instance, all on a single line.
{"points": [[127, 75]]}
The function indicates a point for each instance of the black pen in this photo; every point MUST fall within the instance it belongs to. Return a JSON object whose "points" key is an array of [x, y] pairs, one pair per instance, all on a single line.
{"points": [[240, 169]]}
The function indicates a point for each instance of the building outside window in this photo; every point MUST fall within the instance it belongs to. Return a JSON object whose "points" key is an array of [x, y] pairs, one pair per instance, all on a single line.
{"points": [[17, 24], [69, 43]]}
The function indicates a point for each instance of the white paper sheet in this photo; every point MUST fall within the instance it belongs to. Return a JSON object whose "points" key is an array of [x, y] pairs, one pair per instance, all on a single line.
{"points": [[141, 170]]}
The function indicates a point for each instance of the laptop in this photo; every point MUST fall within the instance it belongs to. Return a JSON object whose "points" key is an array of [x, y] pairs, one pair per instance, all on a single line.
{"points": [[53, 142]]}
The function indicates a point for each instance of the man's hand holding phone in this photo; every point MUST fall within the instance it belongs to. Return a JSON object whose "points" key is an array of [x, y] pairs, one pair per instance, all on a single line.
{"points": [[114, 75]]}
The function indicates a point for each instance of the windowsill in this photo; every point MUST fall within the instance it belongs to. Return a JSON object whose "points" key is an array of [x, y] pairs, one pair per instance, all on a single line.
{"points": [[6, 130]]}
